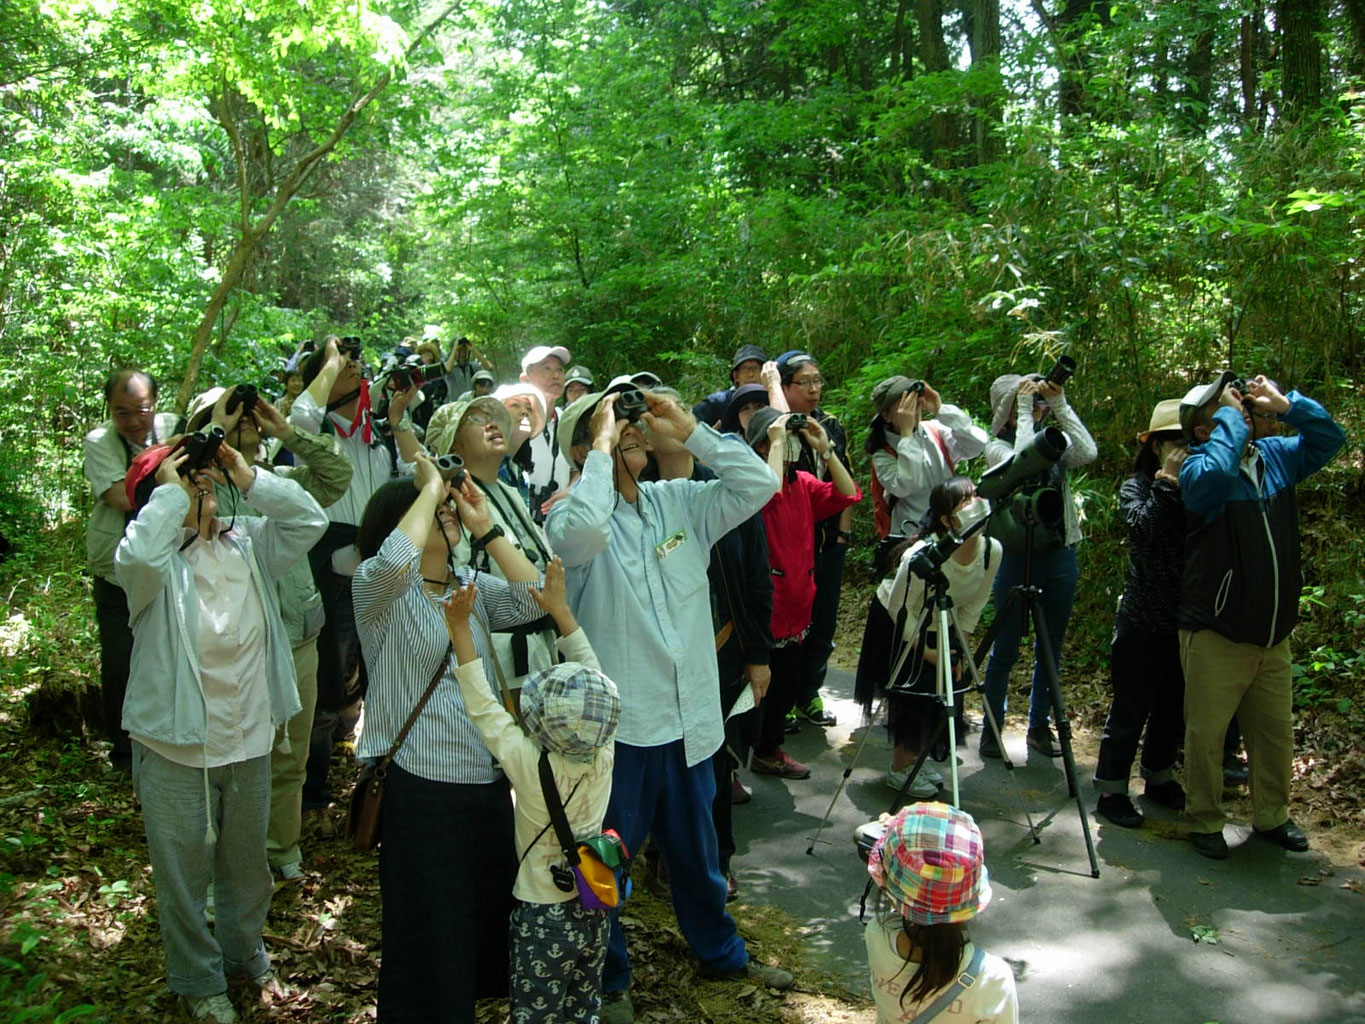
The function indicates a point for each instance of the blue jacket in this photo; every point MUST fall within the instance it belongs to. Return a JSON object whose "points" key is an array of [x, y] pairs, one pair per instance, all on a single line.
{"points": [[1242, 576]]}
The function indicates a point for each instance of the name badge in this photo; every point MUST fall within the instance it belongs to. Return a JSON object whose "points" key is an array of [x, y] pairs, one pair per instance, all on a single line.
{"points": [[666, 548]]}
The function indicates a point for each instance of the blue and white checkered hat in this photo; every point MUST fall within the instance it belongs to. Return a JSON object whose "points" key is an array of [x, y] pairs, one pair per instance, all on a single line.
{"points": [[572, 709]]}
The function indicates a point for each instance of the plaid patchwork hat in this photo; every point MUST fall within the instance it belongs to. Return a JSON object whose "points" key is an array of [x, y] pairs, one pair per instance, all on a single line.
{"points": [[930, 863], [572, 709]]}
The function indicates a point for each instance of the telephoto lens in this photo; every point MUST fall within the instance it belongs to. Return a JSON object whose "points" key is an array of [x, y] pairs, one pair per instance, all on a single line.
{"points": [[1061, 370], [631, 405], [451, 468], [797, 421]]}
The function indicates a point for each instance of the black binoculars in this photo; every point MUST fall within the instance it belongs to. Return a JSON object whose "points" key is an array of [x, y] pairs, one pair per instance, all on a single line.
{"points": [[451, 468], [245, 396], [797, 421], [631, 405], [201, 448]]}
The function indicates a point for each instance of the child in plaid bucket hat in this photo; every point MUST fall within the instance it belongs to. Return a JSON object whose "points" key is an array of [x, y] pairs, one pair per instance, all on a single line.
{"points": [[571, 711], [930, 872]]}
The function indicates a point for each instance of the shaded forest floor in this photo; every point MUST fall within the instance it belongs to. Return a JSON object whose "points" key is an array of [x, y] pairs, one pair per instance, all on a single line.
{"points": [[76, 900]]}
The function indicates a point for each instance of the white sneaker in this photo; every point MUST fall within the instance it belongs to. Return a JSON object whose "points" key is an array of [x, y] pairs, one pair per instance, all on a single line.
{"points": [[290, 872], [217, 1009], [923, 786]]}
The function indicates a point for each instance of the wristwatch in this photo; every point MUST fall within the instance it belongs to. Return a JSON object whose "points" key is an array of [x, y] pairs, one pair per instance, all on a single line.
{"points": [[491, 535]]}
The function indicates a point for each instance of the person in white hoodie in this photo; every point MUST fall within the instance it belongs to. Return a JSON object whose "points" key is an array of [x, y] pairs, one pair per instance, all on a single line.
{"points": [[212, 677]]}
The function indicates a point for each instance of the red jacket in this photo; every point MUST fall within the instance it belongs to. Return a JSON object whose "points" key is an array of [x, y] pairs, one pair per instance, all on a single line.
{"points": [[790, 518]]}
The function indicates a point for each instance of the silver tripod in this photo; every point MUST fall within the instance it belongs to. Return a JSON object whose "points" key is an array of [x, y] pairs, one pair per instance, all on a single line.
{"points": [[938, 607]]}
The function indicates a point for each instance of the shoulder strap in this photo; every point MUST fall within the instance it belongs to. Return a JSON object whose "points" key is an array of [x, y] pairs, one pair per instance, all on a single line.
{"points": [[558, 818], [431, 688], [937, 435], [964, 981], [504, 691]]}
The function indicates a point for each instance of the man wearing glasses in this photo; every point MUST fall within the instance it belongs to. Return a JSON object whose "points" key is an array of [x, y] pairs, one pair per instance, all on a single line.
{"points": [[133, 424], [800, 386]]}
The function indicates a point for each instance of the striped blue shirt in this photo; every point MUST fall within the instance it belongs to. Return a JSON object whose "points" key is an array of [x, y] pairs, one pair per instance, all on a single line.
{"points": [[403, 636]]}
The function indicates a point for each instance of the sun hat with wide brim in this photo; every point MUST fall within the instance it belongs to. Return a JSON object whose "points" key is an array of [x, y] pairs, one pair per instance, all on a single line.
{"points": [[930, 862], [888, 392], [747, 354], [1165, 419], [584, 405], [445, 422], [1004, 390], [523, 390]]}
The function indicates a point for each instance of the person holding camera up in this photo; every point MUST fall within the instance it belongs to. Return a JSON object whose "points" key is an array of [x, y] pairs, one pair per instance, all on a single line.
{"points": [[636, 554], [212, 679], [1144, 656], [1239, 595], [789, 518], [446, 860], [915, 442], [132, 425], [1019, 407], [336, 400], [249, 421]]}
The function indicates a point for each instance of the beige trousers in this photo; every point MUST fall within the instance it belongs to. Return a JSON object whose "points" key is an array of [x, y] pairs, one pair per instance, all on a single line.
{"points": [[287, 769], [1223, 678]]}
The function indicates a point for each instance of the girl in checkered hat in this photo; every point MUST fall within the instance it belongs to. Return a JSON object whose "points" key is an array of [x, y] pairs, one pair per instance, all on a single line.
{"points": [[571, 711], [930, 872]]}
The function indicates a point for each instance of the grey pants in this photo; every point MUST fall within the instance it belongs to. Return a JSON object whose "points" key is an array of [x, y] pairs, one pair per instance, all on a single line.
{"points": [[557, 955], [184, 863]]}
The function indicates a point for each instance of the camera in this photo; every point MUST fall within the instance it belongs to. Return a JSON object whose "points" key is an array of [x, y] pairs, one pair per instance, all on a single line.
{"points": [[451, 468], [245, 396], [798, 421], [926, 557], [406, 375], [201, 448], [631, 405], [1061, 371]]}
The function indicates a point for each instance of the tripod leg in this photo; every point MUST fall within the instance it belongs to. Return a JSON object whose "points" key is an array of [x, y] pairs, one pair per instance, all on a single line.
{"points": [[876, 717], [991, 723], [1049, 664]]}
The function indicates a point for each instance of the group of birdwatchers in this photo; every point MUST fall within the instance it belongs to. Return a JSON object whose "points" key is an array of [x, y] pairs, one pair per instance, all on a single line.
{"points": [[609, 602]]}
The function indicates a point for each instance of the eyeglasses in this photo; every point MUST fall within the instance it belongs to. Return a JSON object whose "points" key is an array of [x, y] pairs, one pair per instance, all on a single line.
{"points": [[478, 419], [133, 414], [809, 382]]}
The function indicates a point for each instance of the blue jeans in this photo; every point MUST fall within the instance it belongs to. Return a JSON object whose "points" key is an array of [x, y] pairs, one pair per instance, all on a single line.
{"points": [[1056, 573], [654, 792], [183, 864]]}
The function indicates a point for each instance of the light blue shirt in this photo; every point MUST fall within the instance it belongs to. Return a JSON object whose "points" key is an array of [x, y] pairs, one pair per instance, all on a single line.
{"points": [[636, 579]]}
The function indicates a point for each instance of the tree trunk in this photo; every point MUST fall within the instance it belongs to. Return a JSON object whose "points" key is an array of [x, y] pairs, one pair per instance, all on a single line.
{"points": [[251, 234], [934, 56], [1197, 92], [1299, 23], [986, 59], [1073, 54], [1355, 16]]}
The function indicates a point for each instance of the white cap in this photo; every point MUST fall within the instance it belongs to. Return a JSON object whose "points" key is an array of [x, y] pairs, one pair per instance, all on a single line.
{"points": [[543, 352]]}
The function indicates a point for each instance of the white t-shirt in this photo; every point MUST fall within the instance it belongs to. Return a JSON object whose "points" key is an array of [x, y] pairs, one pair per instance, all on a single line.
{"points": [[991, 1000], [968, 585]]}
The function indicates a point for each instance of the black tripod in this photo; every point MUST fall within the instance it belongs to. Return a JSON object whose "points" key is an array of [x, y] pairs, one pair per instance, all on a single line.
{"points": [[1026, 600]]}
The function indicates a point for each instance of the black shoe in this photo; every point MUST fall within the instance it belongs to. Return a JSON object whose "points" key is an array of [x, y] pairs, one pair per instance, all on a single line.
{"points": [[815, 712], [1117, 809], [1167, 794], [1210, 844], [988, 747], [1042, 739], [1288, 835]]}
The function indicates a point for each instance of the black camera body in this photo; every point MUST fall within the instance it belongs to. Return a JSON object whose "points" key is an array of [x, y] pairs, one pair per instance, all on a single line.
{"points": [[451, 468], [406, 375], [201, 448], [798, 421], [245, 396], [631, 405]]}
